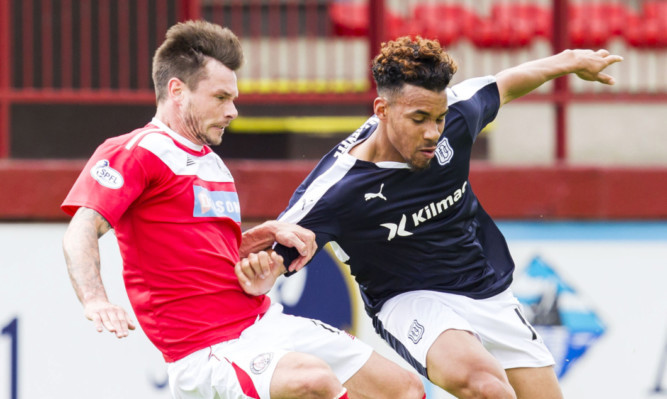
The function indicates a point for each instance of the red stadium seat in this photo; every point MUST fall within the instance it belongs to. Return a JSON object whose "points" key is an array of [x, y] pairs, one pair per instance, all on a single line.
{"points": [[513, 25], [588, 25], [614, 15], [656, 9], [650, 28], [592, 32], [350, 19], [539, 18], [446, 22], [503, 34]]}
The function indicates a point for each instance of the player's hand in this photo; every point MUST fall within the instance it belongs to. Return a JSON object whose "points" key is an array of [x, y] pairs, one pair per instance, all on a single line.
{"points": [[301, 239], [593, 63], [107, 315], [258, 272]]}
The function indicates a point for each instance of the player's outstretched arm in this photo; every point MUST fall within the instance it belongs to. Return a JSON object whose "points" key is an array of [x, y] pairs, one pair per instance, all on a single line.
{"points": [[82, 256], [586, 64], [290, 235], [258, 272]]}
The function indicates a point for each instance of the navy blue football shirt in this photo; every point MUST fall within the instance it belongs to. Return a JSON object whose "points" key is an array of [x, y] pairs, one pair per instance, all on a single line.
{"points": [[402, 230]]}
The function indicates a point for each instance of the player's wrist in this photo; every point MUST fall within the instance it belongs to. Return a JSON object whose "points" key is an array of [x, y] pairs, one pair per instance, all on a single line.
{"points": [[92, 297]]}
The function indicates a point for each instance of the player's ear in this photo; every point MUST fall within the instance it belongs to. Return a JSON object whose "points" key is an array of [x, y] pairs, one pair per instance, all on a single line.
{"points": [[380, 105], [175, 89]]}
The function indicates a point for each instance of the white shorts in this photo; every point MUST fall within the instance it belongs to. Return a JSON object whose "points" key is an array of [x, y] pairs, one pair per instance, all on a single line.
{"points": [[412, 321], [242, 368]]}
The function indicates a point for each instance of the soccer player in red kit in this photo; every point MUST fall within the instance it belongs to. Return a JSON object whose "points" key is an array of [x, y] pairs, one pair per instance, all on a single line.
{"points": [[173, 206]]}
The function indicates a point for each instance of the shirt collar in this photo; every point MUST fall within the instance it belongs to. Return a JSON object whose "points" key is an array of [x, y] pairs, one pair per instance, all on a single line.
{"points": [[176, 136]]}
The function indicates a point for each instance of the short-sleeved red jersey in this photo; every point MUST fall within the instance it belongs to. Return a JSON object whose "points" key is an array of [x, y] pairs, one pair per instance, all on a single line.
{"points": [[176, 215]]}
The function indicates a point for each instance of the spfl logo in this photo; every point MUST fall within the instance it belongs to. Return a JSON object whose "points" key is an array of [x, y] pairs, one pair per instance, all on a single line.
{"points": [[106, 175], [558, 312], [444, 152]]}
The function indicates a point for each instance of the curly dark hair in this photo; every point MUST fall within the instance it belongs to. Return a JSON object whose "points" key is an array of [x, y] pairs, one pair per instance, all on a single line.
{"points": [[420, 62], [185, 50]]}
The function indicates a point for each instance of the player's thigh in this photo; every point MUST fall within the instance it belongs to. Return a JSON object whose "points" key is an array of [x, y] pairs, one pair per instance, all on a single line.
{"points": [[411, 322], [300, 375], [342, 352], [457, 358], [381, 378], [535, 383]]}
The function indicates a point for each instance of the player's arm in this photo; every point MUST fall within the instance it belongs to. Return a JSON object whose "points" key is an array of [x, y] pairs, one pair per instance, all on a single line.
{"points": [[586, 64], [82, 255], [263, 236]]}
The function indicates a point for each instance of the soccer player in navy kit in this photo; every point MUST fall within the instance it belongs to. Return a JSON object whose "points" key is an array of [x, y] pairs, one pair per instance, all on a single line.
{"points": [[395, 202]]}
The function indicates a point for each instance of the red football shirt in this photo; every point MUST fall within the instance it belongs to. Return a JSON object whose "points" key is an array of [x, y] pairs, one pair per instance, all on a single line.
{"points": [[176, 215]]}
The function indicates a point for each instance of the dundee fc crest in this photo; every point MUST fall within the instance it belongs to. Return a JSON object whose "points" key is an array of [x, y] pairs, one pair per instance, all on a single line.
{"points": [[568, 325], [444, 152]]}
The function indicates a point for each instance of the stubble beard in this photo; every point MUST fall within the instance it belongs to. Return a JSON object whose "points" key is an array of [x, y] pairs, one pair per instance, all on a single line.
{"points": [[419, 168], [193, 125]]}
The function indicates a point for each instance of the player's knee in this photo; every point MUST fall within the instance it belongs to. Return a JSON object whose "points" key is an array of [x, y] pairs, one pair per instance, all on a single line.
{"points": [[488, 386], [403, 385], [318, 383], [413, 386], [492, 388], [479, 385], [312, 378]]}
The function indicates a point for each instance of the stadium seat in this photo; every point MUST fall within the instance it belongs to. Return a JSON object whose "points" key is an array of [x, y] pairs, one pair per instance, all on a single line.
{"points": [[648, 29], [538, 17], [591, 25], [446, 22], [655, 16], [656, 9], [512, 25], [350, 19]]}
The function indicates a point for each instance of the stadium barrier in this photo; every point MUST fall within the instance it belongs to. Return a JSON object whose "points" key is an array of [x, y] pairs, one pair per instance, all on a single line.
{"points": [[35, 190]]}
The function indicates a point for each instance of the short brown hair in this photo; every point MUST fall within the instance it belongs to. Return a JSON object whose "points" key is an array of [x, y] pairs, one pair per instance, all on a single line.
{"points": [[184, 53], [420, 62]]}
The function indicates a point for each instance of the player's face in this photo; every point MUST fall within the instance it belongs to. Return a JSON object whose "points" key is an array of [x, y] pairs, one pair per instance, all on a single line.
{"points": [[209, 109], [415, 118]]}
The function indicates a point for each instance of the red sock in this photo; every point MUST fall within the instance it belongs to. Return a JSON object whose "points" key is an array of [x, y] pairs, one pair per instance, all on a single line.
{"points": [[342, 395]]}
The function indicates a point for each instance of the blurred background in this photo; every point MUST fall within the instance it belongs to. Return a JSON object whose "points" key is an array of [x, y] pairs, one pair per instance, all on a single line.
{"points": [[575, 173]]}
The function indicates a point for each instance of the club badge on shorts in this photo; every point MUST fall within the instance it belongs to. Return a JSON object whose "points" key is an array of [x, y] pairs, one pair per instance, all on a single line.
{"points": [[416, 332], [261, 362]]}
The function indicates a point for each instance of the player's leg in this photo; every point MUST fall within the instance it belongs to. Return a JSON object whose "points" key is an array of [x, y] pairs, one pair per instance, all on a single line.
{"points": [[518, 347], [300, 375], [535, 383], [247, 369], [458, 363], [428, 330], [363, 372], [381, 378]]}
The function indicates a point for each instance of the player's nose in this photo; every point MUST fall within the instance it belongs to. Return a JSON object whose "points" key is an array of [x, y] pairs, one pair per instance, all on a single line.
{"points": [[230, 111], [432, 133]]}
